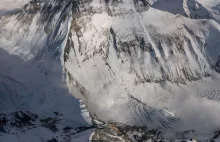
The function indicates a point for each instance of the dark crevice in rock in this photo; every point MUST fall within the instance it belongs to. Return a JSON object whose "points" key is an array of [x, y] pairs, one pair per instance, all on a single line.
{"points": [[217, 64], [114, 38]]}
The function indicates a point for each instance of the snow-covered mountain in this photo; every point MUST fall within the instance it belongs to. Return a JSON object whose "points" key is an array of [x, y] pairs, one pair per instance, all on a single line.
{"points": [[152, 63], [33, 77]]}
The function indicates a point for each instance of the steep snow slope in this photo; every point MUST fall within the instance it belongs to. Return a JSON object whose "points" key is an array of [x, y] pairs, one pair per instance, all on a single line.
{"points": [[209, 3], [189, 8], [11, 5], [155, 67], [32, 78], [213, 6], [142, 63]]}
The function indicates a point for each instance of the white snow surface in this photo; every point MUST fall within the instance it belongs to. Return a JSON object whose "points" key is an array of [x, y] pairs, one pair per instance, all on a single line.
{"points": [[32, 76], [172, 86], [7, 6], [116, 88]]}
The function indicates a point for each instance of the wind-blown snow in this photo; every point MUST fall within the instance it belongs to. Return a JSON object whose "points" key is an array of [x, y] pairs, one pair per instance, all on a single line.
{"points": [[7, 6], [155, 67], [118, 78]]}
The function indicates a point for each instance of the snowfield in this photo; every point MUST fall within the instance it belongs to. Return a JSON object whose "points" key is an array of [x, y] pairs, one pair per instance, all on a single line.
{"points": [[8, 6], [140, 63]]}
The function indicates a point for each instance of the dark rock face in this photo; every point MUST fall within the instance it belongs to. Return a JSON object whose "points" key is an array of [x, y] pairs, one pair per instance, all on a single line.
{"points": [[217, 65], [141, 5], [126, 133], [120, 133], [24, 121]]}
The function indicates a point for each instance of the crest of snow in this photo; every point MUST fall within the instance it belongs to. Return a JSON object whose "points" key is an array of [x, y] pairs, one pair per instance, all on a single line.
{"points": [[11, 5]]}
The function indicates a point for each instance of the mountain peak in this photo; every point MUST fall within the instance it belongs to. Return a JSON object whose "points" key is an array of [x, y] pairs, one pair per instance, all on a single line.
{"points": [[154, 63]]}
